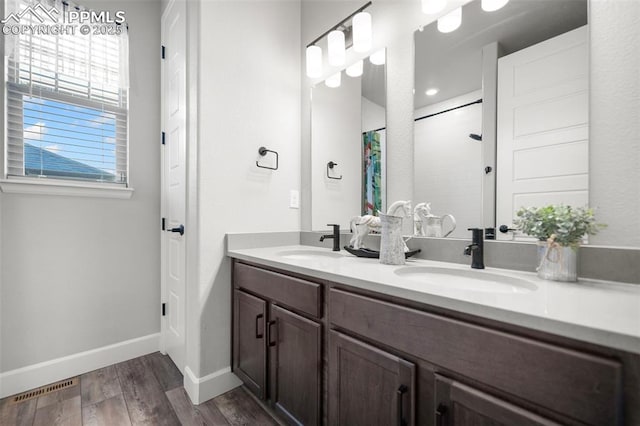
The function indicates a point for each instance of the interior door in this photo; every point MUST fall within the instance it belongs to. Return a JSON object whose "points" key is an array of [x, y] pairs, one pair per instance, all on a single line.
{"points": [[543, 126], [174, 181]]}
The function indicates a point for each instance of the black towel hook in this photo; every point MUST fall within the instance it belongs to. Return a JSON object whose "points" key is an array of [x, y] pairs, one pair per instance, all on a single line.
{"points": [[263, 151], [331, 165]]}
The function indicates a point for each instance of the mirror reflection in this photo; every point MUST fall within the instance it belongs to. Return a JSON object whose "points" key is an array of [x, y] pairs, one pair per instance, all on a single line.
{"points": [[348, 144], [501, 115]]}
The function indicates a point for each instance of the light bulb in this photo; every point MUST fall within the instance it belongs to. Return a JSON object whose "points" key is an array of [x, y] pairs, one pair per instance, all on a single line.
{"points": [[314, 61], [431, 92], [451, 21], [431, 7], [334, 80], [336, 52], [361, 32], [378, 58], [355, 70], [493, 5]]}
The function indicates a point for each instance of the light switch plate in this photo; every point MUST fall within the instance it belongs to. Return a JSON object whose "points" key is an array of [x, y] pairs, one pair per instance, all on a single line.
{"points": [[294, 199]]}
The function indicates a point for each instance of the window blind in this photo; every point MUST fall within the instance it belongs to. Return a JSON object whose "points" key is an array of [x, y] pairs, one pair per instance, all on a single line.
{"points": [[67, 106]]}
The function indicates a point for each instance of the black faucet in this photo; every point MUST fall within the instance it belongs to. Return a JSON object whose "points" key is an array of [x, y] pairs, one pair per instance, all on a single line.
{"points": [[335, 236], [476, 249]]}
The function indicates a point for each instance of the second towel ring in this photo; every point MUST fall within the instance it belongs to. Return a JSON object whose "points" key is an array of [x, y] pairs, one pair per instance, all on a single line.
{"points": [[331, 165]]}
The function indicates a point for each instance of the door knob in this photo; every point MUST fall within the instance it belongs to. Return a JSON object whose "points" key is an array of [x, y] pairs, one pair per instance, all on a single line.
{"points": [[179, 229]]}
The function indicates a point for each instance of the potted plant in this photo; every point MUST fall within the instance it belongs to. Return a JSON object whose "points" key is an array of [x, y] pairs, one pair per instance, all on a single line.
{"points": [[559, 229]]}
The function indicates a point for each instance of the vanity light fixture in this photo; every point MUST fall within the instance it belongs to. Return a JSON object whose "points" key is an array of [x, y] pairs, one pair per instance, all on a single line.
{"points": [[355, 70], [378, 58], [314, 61], [451, 21], [362, 38], [354, 30], [334, 80], [493, 5], [336, 48], [431, 7], [431, 92]]}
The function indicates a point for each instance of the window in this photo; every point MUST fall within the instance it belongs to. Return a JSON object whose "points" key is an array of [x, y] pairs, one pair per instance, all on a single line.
{"points": [[67, 105]]}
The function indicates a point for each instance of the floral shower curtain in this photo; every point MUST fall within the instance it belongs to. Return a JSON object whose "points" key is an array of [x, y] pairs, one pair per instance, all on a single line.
{"points": [[372, 173]]}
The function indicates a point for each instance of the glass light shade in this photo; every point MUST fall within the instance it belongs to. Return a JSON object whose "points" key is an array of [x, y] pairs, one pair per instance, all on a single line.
{"points": [[336, 49], [355, 70], [314, 61], [334, 80], [431, 7], [362, 32], [378, 58], [493, 5], [451, 21]]}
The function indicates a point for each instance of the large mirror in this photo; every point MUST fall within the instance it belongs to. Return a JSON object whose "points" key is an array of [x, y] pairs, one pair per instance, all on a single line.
{"points": [[348, 144], [501, 113]]}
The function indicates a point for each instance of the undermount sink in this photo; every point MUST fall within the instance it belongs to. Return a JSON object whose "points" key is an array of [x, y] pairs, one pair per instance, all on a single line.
{"points": [[466, 279], [303, 254]]}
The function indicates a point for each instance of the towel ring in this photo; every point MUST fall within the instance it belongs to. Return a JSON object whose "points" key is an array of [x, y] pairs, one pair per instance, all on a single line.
{"points": [[263, 151]]}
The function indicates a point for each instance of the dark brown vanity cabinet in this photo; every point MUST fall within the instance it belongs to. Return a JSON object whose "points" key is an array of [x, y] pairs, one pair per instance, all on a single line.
{"points": [[276, 351], [374, 360], [368, 386]]}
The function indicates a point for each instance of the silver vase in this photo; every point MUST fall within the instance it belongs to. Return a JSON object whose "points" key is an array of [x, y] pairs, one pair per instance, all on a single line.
{"points": [[557, 262]]}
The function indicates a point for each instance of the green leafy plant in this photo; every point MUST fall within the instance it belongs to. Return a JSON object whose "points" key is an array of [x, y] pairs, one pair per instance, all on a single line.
{"points": [[565, 224]]}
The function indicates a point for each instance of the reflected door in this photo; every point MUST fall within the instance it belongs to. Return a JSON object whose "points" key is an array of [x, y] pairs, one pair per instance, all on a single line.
{"points": [[543, 126]]}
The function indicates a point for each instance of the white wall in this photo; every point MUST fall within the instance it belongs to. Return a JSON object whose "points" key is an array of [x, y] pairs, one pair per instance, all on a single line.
{"points": [[614, 103], [448, 164], [373, 115], [614, 114], [336, 136], [249, 97], [82, 273]]}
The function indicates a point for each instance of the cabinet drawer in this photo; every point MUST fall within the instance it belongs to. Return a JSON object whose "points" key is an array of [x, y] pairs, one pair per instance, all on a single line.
{"points": [[295, 293], [578, 385]]}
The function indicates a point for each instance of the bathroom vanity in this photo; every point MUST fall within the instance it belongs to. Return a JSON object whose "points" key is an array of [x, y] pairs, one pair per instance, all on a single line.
{"points": [[326, 338]]}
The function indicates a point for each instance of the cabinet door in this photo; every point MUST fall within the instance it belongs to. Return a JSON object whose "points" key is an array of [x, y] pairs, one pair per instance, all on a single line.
{"points": [[461, 405], [295, 366], [368, 386], [249, 343]]}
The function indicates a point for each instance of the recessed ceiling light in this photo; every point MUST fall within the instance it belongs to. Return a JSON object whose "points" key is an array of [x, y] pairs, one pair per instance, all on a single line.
{"points": [[431, 92]]}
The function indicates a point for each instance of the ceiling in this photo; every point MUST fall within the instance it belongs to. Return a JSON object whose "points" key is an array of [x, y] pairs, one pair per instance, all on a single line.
{"points": [[453, 62]]}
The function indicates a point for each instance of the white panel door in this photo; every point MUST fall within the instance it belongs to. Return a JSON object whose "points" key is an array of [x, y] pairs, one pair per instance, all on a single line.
{"points": [[174, 181], [543, 126]]}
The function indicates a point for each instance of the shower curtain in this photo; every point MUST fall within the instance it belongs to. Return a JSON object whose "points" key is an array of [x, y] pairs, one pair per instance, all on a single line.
{"points": [[372, 173]]}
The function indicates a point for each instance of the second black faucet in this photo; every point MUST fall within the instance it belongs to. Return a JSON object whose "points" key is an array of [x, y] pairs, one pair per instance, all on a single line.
{"points": [[476, 248], [335, 236]]}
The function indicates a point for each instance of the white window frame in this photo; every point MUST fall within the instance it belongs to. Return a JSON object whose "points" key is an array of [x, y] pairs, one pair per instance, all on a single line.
{"points": [[61, 186]]}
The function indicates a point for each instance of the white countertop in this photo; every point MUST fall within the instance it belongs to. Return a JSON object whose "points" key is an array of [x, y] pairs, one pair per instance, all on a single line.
{"points": [[600, 312]]}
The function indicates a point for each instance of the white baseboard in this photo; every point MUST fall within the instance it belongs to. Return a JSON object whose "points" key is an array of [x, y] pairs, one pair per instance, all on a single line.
{"points": [[36, 375], [201, 389]]}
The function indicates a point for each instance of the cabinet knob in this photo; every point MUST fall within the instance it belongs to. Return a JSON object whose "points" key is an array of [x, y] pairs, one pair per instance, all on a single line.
{"points": [[400, 392], [270, 333], [441, 413]]}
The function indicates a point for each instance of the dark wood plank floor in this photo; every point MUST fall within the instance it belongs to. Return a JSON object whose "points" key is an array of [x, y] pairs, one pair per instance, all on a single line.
{"points": [[142, 391]]}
